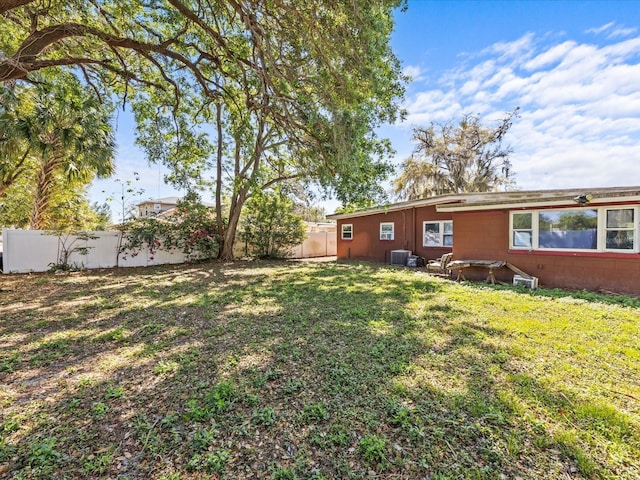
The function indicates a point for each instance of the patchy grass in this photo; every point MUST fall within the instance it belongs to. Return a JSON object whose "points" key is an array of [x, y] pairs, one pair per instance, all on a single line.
{"points": [[312, 371]]}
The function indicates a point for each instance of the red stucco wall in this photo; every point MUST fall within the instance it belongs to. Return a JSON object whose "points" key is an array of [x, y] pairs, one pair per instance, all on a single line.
{"points": [[366, 243], [485, 235]]}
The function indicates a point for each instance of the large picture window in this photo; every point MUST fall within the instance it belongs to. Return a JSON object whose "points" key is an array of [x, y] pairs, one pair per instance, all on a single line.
{"points": [[568, 229], [579, 229], [386, 231], [437, 234]]}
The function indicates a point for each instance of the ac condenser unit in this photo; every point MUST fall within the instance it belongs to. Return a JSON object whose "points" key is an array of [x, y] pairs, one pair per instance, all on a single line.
{"points": [[399, 257], [531, 283]]}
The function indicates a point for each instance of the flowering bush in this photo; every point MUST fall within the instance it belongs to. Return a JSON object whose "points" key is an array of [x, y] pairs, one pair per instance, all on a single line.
{"points": [[191, 229]]}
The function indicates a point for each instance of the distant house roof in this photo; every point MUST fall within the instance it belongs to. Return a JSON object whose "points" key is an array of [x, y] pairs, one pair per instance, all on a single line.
{"points": [[171, 201], [165, 200], [514, 199]]}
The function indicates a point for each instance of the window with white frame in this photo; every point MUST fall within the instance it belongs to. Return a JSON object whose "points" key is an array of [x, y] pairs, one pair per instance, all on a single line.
{"points": [[347, 231], [575, 229], [620, 229], [386, 231], [437, 234]]}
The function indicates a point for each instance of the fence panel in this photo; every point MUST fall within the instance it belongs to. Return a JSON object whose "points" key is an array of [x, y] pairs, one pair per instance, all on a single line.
{"points": [[35, 250]]}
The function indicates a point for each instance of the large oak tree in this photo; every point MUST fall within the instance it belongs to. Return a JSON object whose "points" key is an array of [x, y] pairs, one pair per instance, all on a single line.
{"points": [[457, 158], [255, 92]]}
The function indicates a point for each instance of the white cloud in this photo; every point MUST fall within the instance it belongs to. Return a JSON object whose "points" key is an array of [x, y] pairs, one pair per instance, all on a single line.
{"points": [[598, 30], [614, 31], [580, 116], [413, 71], [622, 32]]}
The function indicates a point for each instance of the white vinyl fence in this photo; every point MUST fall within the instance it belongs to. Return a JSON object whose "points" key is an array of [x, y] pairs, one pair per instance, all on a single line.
{"points": [[36, 250], [317, 244]]}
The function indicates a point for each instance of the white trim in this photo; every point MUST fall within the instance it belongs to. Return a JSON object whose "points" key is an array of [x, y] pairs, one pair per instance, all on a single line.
{"points": [[601, 230], [342, 231], [441, 233], [527, 205], [387, 235]]}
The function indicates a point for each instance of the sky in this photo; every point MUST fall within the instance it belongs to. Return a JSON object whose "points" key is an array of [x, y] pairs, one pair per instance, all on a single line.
{"points": [[572, 67]]}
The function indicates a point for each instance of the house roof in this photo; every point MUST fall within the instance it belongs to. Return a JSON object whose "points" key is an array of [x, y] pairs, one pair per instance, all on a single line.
{"points": [[171, 201], [514, 199], [165, 200]]}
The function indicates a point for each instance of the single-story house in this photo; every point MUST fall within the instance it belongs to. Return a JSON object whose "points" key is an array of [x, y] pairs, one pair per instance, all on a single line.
{"points": [[572, 238]]}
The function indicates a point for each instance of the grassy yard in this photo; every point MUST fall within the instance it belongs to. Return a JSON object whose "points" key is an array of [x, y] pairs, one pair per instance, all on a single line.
{"points": [[312, 371]]}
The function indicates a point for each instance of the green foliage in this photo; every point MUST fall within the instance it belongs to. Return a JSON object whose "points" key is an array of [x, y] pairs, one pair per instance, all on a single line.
{"points": [[493, 384], [191, 230], [373, 449], [264, 416], [58, 139], [69, 243], [270, 227], [212, 93], [43, 456]]}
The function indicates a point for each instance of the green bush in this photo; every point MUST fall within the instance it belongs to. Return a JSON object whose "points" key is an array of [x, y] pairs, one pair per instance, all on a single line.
{"points": [[270, 228]]}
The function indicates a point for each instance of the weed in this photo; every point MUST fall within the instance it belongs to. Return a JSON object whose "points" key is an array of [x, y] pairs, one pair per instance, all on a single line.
{"points": [[98, 464], [43, 455], [118, 334], [264, 416], [282, 473], [372, 448], [164, 367], [113, 392], [216, 462], [221, 397], [10, 363], [202, 439], [293, 386], [99, 410], [195, 412], [315, 412]]}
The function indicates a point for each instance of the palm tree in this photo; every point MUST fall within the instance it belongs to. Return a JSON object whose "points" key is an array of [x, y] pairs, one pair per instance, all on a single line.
{"points": [[14, 141], [73, 141]]}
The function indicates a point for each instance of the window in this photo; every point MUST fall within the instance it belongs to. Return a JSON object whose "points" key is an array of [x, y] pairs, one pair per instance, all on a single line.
{"points": [[620, 229], [157, 206], [347, 231], [581, 229], [386, 231], [522, 228], [437, 234], [568, 229]]}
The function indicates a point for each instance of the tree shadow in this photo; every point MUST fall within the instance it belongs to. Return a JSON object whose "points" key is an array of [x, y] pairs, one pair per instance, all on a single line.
{"points": [[251, 369]]}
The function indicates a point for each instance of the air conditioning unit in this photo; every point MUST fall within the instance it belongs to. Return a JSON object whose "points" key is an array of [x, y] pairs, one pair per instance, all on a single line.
{"points": [[531, 283], [399, 257]]}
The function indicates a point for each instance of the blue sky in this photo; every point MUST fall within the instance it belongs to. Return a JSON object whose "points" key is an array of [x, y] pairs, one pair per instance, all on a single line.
{"points": [[573, 68]]}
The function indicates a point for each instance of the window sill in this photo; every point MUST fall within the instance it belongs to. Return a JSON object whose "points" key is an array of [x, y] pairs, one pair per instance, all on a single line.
{"points": [[570, 253]]}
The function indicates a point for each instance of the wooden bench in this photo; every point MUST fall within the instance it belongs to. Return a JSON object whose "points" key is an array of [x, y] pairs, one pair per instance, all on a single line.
{"points": [[460, 265]]}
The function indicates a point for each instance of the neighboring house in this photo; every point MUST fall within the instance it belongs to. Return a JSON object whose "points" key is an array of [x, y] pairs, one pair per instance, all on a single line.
{"points": [[161, 207], [157, 207], [573, 238]]}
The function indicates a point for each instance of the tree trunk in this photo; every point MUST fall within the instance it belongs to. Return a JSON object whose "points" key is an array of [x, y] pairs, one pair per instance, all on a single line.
{"points": [[226, 250], [44, 192]]}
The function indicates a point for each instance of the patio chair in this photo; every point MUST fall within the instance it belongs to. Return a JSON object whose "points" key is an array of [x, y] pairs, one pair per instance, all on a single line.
{"points": [[439, 267]]}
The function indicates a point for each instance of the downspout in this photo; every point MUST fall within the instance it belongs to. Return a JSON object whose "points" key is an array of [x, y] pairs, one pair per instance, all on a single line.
{"points": [[415, 230]]}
